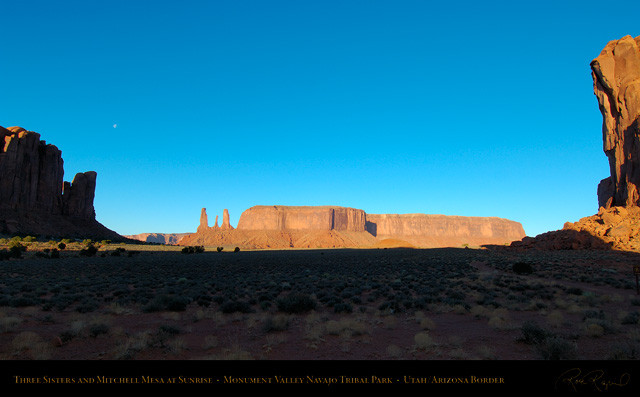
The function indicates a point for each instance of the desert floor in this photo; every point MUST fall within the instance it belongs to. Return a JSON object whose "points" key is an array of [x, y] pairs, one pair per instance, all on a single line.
{"points": [[156, 303]]}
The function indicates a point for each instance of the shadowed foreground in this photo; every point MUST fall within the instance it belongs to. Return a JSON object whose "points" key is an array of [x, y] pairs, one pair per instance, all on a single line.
{"points": [[320, 304]]}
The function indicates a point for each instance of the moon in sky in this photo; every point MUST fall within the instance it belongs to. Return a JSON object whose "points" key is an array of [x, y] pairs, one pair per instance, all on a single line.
{"points": [[115, 126]]}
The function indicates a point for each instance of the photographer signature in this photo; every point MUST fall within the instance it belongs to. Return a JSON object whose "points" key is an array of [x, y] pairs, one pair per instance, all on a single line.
{"points": [[596, 378]]}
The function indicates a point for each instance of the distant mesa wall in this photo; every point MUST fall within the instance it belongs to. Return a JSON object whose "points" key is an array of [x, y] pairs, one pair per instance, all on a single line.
{"points": [[158, 238], [302, 218], [444, 230], [335, 226], [34, 199]]}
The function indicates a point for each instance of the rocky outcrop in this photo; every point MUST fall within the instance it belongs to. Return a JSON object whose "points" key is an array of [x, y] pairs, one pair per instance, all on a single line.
{"points": [[34, 199], [616, 84], [334, 226], [615, 228]]}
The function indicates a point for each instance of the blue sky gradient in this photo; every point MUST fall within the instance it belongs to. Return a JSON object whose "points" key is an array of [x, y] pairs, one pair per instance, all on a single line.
{"points": [[464, 108]]}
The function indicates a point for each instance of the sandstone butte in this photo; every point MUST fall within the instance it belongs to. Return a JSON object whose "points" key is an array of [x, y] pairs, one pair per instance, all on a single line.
{"points": [[616, 225], [281, 227], [35, 200]]}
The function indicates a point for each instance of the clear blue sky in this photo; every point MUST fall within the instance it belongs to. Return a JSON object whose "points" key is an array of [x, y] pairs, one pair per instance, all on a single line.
{"points": [[456, 108]]}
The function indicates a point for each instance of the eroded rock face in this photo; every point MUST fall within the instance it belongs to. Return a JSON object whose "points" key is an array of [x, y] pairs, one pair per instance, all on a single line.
{"points": [[33, 196], [31, 172], [616, 84], [428, 230], [302, 218], [78, 196]]}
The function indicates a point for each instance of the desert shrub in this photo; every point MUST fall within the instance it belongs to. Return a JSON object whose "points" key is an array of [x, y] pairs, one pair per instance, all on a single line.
{"points": [[198, 249], [532, 333], [595, 330], [237, 249], [296, 303], [91, 250], [98, 329], [423, 340], [236, 306], [556, 348], [628, 350], [342, 308], [5, 254], [118, 251], [87, 306], [631, 318], [574, 291], [62, 246], [522, 268], [166, 303], [219, 249], [279, 322]]}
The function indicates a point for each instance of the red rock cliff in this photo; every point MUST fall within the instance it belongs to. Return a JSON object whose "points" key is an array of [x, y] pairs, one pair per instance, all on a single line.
{"points": [[616, 84], [443, 230], [34, 199], [299, 218]]}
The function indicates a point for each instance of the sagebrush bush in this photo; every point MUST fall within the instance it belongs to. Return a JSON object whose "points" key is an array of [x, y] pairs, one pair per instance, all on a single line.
{"points": [[296, 303], [522, 268], [166, 303], [236, 306], [556, 348], [533, 334]]}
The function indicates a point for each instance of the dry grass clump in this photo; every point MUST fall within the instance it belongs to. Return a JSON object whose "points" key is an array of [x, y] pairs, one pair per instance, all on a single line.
{"points": [[394, 351], [423, 341], [276, 322], [9, 323], [594, 330], [29, 344], [346, 327], [132, 345], [555, 319], [210, 342], [499, 319]]}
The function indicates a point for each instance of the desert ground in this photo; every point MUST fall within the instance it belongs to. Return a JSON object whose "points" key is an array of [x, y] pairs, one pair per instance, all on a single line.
{"points": [[149, 302]]}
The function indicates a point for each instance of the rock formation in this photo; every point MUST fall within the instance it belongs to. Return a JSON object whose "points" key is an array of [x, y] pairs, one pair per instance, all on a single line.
{"points": [[616, 84], [334, 226], [34, 199], [425, 230], [225, 220], [204, 221], [302, 218], [158, 238]]}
